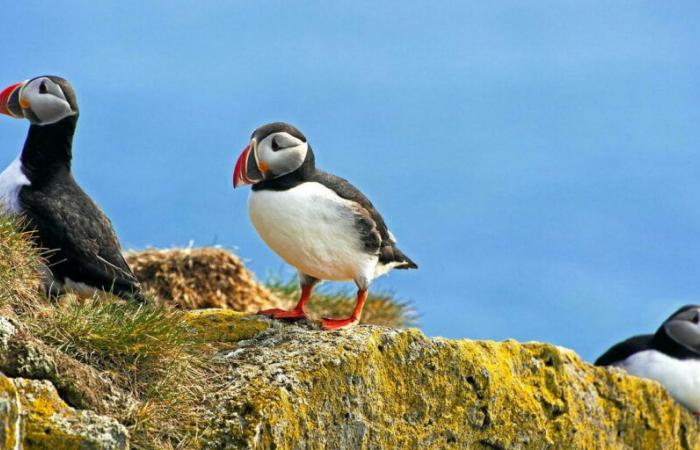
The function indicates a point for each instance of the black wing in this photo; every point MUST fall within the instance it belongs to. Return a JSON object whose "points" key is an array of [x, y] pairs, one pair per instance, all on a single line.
{"points": [[80, 240], [376, 236], [621, 351]]}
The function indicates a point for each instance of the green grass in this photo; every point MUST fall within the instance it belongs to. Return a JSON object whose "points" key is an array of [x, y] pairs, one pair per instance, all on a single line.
{"points": [[19, 266], [381, 308], [150, 351], [147, 350]]}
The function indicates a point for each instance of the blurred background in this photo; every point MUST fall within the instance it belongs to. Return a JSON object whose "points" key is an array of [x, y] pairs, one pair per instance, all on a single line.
{"points": [[539, 160]]}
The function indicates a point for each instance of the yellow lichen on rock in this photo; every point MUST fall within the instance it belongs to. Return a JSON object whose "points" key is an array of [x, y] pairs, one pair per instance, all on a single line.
{"points": [[47, 423], [294, 386], [9, 413], [224, 325]]}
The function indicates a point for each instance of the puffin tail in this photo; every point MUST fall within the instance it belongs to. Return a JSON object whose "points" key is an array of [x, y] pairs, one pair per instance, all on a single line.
{"points": [[406, 263], [396, 258]]}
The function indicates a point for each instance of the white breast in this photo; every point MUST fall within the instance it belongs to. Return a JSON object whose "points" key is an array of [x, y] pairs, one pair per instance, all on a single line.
{"points": [[11, 181], [680, 377], [313, 229]]}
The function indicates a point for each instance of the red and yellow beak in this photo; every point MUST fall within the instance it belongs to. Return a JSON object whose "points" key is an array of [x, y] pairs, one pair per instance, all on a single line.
{"points": [[11, 101], [248, 170]]}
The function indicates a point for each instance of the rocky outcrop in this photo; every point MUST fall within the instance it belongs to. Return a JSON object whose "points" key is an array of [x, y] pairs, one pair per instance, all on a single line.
{"points": [[34, 417], [293, 386], [265, 384]]}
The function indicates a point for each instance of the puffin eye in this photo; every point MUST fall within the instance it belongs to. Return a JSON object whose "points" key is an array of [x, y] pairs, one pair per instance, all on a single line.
{"points": [[275, 145], [696, 318], [42, 88]]}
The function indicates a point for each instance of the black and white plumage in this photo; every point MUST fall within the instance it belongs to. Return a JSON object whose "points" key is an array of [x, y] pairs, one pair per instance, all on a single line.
{"points": [[671, 356], [82, 250], [317, 222]]}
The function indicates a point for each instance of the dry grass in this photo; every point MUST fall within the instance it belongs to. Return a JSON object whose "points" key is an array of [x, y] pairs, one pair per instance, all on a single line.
{"points": [[381, 308], [193, 278]]}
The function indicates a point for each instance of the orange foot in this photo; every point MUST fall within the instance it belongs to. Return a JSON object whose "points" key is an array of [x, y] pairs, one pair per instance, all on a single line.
{"points": [[276, 313], [337, 324]]}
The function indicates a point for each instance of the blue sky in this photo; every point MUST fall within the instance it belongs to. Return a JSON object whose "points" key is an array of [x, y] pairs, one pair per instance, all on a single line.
{"points": [[539, 160]]}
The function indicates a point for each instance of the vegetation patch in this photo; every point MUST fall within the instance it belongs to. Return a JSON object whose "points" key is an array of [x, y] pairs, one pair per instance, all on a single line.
{"points": [[156, 358], [151, 352], [193, 278], [20, 265]]}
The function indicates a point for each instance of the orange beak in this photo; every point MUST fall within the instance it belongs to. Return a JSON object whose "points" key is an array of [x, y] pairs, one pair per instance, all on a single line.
{"points": [[10, 102], [247, 170]]}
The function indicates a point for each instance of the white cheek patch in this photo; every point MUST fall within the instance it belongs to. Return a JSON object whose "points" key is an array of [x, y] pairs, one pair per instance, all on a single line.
{"points": [[285, 160], [47, 107], [50, 109]]}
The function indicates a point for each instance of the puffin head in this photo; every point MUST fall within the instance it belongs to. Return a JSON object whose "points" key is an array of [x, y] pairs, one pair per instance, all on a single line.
{"points": [[683, 327], [275, 149], [42, 100]]}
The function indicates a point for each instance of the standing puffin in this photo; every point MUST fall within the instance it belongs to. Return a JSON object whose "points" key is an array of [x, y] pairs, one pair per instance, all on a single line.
{"points": [[83, 252], [671, 356], [317, 222]]}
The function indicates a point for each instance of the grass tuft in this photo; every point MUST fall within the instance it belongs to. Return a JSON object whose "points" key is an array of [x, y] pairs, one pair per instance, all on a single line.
{"points": [[151, 352], [381, 308], [20, 263]]}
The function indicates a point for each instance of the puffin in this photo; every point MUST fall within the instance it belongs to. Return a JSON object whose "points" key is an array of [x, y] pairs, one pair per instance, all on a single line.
{"points": [[671, 356], [82, 251], [317, 222]]}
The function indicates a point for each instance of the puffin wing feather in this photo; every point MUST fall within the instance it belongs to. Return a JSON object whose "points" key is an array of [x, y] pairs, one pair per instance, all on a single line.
{"points": [[369, 221], [79, 238]]}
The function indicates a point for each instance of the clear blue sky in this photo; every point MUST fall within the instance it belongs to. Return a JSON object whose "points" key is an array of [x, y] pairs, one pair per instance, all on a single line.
{"points": [[540, 160]]}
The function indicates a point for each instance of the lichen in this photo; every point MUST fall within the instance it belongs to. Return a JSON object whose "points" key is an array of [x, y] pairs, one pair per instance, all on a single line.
{"points": [[293, 386], [9, 413], [48, 423], [225, 325]]}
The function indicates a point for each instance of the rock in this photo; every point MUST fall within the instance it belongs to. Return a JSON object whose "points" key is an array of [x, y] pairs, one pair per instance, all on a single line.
{"points": [[9, 414], [294, 386], [224, 325], [82, 386], [34, 417], [207, 277]]}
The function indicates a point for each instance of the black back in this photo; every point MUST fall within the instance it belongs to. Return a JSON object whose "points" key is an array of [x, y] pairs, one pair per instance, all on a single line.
{"points": [[623, 350], [660, 341], [79, 238]]}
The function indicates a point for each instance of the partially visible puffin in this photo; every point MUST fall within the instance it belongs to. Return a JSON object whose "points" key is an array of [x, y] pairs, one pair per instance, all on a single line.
{"points": [[83, 252], [671, 356], [317, 222]]}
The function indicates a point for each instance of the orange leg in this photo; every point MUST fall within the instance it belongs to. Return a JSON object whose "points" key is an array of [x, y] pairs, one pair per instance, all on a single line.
{"points": [[297, 313], [335, 324]]}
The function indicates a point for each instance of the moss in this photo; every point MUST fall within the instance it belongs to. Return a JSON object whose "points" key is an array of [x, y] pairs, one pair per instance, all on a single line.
{"points": [[224, 325]]}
